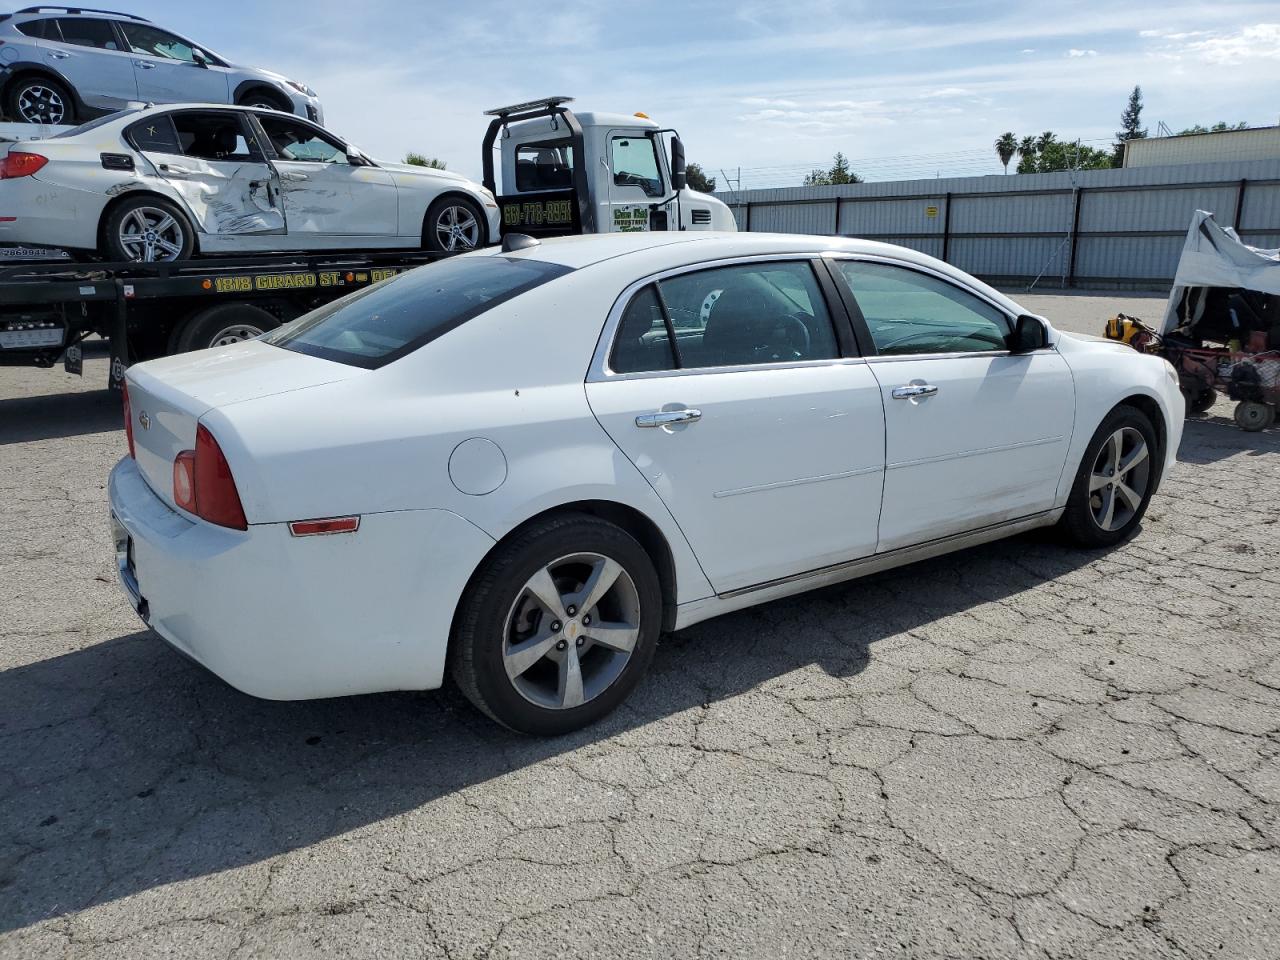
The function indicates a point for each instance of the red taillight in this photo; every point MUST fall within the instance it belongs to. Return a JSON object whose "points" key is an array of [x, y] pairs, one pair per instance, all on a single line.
{"points": [[203, 484], [128, 421], [18, 163]]}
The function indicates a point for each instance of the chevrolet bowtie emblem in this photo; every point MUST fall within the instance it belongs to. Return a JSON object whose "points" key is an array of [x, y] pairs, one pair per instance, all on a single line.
{"points": [[145, 420]]}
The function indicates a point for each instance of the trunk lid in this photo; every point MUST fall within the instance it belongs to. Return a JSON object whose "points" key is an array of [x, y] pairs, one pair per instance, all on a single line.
{"points": [[168, 396]]}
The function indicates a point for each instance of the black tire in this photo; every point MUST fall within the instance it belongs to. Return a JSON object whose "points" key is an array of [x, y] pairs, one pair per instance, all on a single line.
{"points": [[220, 325], [437, 218], [1254, 415], [262, 97], [481, 624], [1079, 524], [29, 98], [1199, 398], [182, 235]]}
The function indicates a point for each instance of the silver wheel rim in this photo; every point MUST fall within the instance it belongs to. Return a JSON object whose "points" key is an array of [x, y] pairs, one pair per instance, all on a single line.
{"points": [[235, 334], [571, 631], [457, 228], [1118, 481], [150, 235], [41, 104]]}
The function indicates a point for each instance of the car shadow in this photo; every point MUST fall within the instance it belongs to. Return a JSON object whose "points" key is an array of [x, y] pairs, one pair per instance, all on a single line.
{"points": [[1214, 436], [125, 767], [59, 416]]}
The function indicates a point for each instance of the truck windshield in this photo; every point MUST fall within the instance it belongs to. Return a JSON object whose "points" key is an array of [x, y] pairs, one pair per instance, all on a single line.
{"points": [[385, 322]]}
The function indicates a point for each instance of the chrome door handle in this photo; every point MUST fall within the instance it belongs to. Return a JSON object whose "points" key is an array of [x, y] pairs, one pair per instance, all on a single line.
{"points": [[667, 417], [145, 65], [53, 55], [291, 175], [175, 170], [914, 390]]}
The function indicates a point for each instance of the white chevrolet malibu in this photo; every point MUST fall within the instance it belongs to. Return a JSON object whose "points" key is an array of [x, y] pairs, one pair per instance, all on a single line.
{"points": [[524, 464]]}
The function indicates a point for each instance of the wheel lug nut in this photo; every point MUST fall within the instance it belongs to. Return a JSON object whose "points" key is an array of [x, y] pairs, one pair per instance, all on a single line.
{"points": [[555, 626], [571, 610], [561, 645], [580, 641], [586, 621]]}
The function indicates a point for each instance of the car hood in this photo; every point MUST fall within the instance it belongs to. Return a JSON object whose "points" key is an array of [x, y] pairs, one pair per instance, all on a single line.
{"points": [[431, 173]]}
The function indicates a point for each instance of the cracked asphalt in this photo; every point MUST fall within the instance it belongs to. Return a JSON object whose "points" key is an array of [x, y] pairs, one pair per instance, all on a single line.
{"points": [[1020, 751]]}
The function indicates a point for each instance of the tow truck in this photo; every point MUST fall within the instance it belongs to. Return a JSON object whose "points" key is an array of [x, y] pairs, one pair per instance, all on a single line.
{"points": [[561, 173]]}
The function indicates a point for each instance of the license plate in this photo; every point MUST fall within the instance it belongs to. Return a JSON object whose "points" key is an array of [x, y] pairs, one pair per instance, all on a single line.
{"points": [[26, 339]]}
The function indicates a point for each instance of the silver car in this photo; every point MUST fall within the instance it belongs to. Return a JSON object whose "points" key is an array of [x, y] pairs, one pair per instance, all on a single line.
{"points": [[66, 65]]}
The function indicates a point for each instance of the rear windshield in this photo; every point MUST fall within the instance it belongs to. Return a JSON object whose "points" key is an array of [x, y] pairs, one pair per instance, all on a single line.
{"points": [[383, 323]]}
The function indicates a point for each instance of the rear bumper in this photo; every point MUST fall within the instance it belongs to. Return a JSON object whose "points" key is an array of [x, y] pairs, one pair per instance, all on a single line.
{"points": [[37, 213], [288, 618]]}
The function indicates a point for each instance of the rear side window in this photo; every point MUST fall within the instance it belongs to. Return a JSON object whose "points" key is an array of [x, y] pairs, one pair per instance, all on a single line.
{"points": [[155, 135], [544, 166], [84, 32], [216, 136], [34, 28], [373, 327]]}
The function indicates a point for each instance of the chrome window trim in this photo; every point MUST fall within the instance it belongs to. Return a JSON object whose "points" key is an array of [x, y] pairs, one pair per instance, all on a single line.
{"points": [[600, 371]]}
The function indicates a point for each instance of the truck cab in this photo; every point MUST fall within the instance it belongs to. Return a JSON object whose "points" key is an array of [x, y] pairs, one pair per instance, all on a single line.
{"points": [[565, 173]]}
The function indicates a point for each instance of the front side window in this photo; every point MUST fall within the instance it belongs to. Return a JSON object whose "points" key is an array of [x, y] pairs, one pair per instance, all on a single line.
{"points": [[726, 316], [910, 312], [544, 166], [150, 42], [84, 32], [297, 141], [215, 136], [635, 164], [384, 322]]}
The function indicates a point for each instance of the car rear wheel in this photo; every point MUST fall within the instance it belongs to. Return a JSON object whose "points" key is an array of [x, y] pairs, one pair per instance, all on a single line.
{"points": [[147, 229], [221, 325], [1115, 481], [453, 225], [558, 625], [40, 100]]}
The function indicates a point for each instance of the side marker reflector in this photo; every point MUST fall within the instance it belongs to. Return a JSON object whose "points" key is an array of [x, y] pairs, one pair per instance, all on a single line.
{"points": [[311, 528]]}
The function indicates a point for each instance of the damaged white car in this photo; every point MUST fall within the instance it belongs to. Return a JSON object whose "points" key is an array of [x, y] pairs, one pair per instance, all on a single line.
{"points": [[168, 183]]}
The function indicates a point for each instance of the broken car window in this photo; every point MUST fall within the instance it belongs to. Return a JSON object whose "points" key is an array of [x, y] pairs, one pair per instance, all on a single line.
{"points": [[297, 141]]}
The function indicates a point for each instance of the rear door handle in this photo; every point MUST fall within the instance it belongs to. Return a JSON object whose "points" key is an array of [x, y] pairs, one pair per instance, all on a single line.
{"points": [[145, 65], [667, 417], [914, 390], [54, 55], [175, 170]]}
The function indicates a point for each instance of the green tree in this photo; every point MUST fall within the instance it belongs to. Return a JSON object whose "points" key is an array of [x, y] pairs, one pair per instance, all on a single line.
{"points": [[422, 160], [839, 173], [1006, 146], [1131, 126], [1220, 127], [1046, 153], [699, 180], [1027, 155]]}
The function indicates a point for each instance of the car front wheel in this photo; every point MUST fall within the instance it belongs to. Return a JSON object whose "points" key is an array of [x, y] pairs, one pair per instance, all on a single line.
{"points": [[558, 625], [1115, 481], [453, 225]]}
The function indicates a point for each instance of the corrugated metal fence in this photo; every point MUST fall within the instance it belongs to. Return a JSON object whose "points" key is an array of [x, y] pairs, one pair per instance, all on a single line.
{"points": [[1088, 228]]}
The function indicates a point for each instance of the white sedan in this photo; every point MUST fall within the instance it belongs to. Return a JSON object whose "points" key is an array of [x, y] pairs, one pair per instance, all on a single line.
{"points": [[166, 183], [526, 463]]}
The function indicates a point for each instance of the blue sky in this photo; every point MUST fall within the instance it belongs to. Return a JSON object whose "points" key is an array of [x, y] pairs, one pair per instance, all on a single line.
{"points": [[904, 89]]}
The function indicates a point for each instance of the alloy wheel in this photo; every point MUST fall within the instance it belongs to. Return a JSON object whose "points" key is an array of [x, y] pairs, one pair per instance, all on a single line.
{"points": [[571, 631], [150, 234], [1119, 479], [457, 228], [40, 104]]}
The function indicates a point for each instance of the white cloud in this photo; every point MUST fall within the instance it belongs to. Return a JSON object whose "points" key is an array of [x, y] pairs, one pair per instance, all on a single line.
{"points": [[1074, 52], [1258, 42], [946, 92], [1027, 51]]}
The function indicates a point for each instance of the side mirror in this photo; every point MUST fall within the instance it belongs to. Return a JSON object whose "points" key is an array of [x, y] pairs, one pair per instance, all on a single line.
{"points": [[199, 58], [679, 178], [354, 156], [1029, 333]]}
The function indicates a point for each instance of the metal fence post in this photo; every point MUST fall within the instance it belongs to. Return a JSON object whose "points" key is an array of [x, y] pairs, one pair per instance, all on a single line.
{"points": [[1075, 235], [836, 230], [946, 226], [1235, 221]]}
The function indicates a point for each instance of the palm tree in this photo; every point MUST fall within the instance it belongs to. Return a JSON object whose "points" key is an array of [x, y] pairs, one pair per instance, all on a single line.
{"points": [[1045, 139], [1027, 155], [1006, 147]]}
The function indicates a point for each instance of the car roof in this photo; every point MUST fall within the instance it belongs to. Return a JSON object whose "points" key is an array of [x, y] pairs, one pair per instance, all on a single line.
{"points": [[662, 250], [53, 11]]}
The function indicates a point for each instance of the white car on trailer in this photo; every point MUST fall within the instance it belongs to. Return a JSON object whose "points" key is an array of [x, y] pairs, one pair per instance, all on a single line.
{"points": [[527, 462]]}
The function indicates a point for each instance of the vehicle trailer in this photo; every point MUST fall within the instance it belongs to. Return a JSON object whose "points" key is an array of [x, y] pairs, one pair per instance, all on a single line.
{"points": [[150, 310]]}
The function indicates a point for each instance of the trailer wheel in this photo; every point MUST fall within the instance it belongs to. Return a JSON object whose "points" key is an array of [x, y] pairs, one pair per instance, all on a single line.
{"points": [[1253, 415], [1199, 398], [218, 326]]}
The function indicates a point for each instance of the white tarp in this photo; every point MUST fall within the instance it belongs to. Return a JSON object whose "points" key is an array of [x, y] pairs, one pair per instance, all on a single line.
{"points": [[1215, 256]]}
